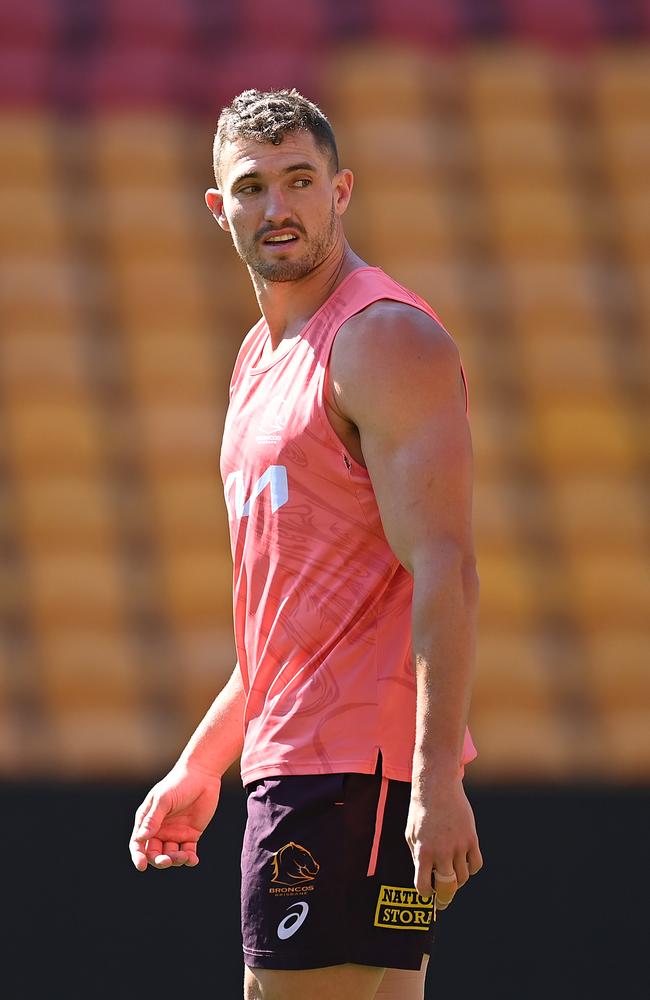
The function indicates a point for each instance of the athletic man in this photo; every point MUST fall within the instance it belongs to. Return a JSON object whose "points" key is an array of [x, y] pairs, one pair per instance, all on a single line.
{"points": [[346, 464]]}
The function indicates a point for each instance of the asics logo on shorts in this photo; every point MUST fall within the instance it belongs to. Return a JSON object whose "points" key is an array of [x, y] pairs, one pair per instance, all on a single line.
{"points": [[293, 921]]}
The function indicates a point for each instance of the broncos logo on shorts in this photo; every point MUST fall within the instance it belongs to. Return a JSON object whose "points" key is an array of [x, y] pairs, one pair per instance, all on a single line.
{"points": [[294, 864]]}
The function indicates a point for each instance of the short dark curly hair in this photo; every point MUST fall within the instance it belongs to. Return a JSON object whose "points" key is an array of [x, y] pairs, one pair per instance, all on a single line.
{"points": [[267, 116]]}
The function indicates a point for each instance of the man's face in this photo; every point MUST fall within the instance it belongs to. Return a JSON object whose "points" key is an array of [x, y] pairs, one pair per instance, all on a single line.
{"points": [[281, 204]]}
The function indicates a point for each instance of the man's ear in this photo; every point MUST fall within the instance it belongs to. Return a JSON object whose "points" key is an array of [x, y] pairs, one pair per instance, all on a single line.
{"points": [[214, 201], [344, 182]]}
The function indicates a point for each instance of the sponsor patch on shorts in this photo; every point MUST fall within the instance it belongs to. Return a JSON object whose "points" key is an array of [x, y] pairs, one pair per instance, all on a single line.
{"points": [[403, 909]]}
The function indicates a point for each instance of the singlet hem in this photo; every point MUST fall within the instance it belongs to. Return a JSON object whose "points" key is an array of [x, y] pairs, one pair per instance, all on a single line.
{"points": [[286, 768]]}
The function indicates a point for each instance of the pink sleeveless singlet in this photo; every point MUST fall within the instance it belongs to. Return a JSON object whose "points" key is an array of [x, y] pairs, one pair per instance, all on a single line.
{"points": [[322, 607]]}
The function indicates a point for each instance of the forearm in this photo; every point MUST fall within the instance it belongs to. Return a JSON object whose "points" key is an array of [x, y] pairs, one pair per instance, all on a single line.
{"points": [[218, 739], [445, 612]]}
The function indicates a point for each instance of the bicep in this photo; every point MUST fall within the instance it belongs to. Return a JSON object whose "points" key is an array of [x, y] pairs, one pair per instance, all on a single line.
{"points": [[422, 478], [408, 403]]}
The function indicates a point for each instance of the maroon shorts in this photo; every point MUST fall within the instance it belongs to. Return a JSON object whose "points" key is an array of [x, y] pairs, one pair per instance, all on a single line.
{"points": [[327, 875]]}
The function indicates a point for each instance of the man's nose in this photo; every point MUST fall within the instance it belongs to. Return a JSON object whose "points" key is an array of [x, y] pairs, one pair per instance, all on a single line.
{"points": [[275, 208]]}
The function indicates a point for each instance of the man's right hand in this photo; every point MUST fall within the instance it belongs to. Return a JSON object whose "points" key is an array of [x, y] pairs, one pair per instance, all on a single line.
{"points": [[173, 816]]}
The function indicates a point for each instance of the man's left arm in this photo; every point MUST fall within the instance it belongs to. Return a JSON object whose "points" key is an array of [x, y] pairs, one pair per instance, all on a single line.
{"points": [[396, 375]]}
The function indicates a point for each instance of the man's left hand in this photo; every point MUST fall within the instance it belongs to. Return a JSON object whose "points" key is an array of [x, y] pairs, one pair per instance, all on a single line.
{"points": [[441, 833]]}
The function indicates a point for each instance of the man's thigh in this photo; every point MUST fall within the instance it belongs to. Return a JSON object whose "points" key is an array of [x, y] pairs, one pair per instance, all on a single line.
{"points": [[339, 982], [336, 982]]}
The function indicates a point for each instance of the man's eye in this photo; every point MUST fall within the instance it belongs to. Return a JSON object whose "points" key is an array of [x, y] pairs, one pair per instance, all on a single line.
{"points": [[303, 182], [249, 189]]}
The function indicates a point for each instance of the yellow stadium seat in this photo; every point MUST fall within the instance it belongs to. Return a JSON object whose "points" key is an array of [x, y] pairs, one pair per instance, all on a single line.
{"points": [[412, 217], [543, 292], [32, 218], [508, 595], [617, 665], [101, 743], [499, 432], [35, 362], [161, 293], [509, 81], [633, 224], [557, 360], [207, 656], [130, 147], [514, 745], [363, 145], [520, 151], [597, 509], [140, 221], [184, 363], [626, 739], [191, 508], [79, 587], [610, 586], [40, 294], [504, 508], [197, 584], [543, 223], [581, 434], [28, 143], [627, 153], [511, 672], [361, 80], [180, 435], [88, 670], [58, 435], [71, 510], [621, 82]]}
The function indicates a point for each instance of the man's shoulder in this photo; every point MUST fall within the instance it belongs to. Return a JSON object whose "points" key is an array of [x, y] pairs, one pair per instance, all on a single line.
{"points": [[395, 337]]}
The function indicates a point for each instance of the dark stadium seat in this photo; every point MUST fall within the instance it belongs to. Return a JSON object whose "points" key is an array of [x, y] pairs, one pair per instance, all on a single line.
{"points": [[147, 22], [284, 24], [440, 23], [30, 24]]}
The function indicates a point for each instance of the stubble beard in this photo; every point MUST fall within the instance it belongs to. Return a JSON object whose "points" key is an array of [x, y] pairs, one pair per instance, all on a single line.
{"points": [[289, 270]]}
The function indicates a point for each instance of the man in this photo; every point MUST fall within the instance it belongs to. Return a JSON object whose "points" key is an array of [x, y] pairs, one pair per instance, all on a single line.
{"points": [[347, 472]]}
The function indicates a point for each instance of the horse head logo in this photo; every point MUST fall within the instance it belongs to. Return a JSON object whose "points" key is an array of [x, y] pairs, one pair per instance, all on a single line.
{"points": [[294, 864]]}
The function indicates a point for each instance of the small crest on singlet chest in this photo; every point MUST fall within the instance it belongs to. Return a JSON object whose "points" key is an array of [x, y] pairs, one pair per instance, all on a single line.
{"points": [[273, 422]]}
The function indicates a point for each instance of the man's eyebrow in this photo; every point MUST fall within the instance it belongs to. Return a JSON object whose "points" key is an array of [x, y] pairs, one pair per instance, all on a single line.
{"points": [[254, 175]]}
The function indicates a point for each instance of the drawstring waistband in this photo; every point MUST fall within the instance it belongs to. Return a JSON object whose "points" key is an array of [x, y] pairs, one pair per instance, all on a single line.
{"points": [[379, 822]]}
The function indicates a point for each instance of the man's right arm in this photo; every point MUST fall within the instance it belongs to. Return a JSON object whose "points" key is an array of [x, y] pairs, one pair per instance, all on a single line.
{"points": [[172, 817], [218, 739]]}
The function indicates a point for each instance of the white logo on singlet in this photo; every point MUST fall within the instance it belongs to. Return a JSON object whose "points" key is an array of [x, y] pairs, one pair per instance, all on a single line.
{"points": [[275, 478], [274, 420], [293, 921]]}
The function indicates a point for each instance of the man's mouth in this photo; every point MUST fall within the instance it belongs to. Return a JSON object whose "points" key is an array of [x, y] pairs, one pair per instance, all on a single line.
{"points": [[280, 238]]}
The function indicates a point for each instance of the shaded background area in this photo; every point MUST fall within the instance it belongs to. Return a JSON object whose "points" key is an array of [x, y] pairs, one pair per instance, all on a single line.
{"points": [[502, 160]]}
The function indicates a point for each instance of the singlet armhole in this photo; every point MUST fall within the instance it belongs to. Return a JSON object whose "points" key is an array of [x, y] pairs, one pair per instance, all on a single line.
{"points": [[324, 398]]}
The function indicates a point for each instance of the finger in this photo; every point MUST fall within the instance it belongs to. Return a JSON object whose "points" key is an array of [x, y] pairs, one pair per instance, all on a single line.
{"points": [[162, 861], [423, 867], [138, 856], [189, 846], [446, 885], [475, 859], [461, 869], [173, 850], [136, 846], [151, 820], [156, 855], [141, 812]]}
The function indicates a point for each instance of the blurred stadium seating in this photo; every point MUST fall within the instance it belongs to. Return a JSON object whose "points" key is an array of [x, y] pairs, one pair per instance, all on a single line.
{"points": [[503, 171]]}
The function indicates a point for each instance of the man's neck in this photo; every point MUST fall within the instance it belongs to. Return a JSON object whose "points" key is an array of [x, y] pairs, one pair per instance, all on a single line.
{"points": [[288, 305]]}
